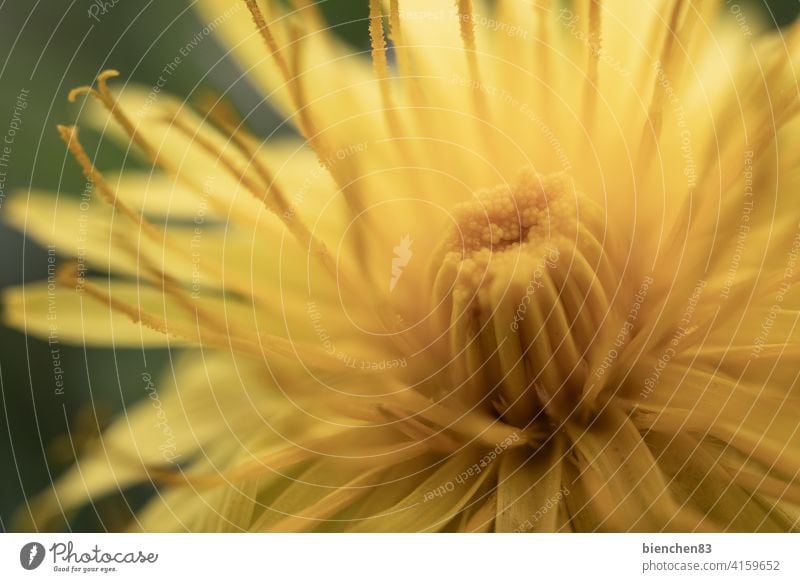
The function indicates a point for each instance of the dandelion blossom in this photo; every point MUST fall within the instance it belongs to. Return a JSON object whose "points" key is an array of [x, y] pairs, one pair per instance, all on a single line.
{"points": [[525, 267]]}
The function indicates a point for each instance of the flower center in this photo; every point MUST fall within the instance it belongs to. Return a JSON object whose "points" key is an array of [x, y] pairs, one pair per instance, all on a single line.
{"points": [[521, 286]]}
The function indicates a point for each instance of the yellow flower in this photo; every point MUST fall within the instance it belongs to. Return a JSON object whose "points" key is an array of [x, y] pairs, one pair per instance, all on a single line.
{"points": [[529, 268]]}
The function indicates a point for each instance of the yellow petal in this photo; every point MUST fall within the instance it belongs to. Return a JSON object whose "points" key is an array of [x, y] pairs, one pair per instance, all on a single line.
{"points": [[697, 477], [435, 501], [50, 311], [530, 489], [617, 485]]}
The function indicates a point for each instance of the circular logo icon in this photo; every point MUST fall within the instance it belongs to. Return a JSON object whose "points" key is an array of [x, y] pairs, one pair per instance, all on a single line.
{"points": [[31, 555]]}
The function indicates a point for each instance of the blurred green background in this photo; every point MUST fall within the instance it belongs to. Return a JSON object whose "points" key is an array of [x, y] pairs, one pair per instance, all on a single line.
{"points": [[47, 48]]}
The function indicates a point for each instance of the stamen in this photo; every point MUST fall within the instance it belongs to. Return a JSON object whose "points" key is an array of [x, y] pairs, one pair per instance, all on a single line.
{"points": [[296, 90], [542, 10], [266, 33], [176, 290], [381, 66], [276, 202], [592, 87], [68, 275], [782, 111], [274, 198], [398, 40], [378, 41], [70, 137], [244, 144], [541, 47], [292, 80], [764, 484], [274, 461], [311, 133], [331, 503], [103, 94], [226, 119], [525, 282], [271, 195], [669, 67], [160, 237], [311, 13], [467, 26], [259, 346], [705, 419], [348, 186], [356, 202], [413, 94], [419, 432], [473, 424], [672, 35]]}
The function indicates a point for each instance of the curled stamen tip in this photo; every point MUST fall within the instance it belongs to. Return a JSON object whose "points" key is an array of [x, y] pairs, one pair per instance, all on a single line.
{"points": [[87, 90], [77, 92], [107, 74]]}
